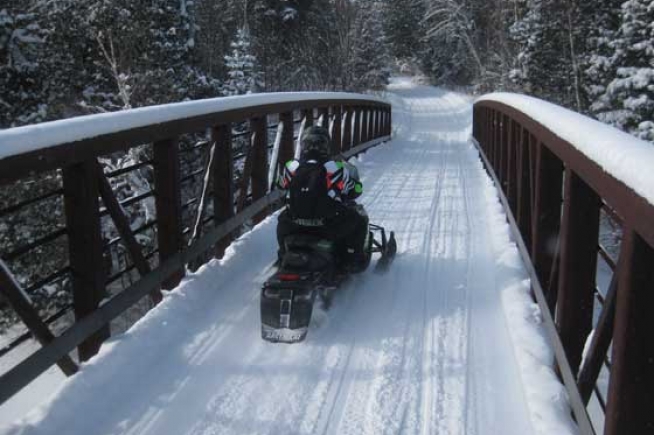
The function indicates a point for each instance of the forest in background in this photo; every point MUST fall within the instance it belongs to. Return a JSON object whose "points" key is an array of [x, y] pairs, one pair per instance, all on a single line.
{"points": [[64, 58], [592, 56]]}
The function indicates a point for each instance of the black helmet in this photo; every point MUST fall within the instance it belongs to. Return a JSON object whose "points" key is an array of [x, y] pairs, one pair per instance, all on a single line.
{"points": [[316, 143]]}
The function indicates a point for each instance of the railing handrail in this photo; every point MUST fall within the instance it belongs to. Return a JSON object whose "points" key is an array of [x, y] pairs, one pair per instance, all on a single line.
{"points": [[557, 185], [622, 155], [53, 144], [632, 199]]}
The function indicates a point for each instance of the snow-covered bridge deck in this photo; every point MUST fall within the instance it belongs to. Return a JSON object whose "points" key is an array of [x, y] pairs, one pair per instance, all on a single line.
{"points": [[440, 344]]}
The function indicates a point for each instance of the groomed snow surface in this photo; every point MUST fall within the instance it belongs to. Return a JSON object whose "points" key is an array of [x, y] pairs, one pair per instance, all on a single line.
{"points": [[446, 342]]}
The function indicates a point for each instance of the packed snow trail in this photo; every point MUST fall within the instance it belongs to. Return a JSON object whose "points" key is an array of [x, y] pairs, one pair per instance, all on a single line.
{"points": [[422, 349]]}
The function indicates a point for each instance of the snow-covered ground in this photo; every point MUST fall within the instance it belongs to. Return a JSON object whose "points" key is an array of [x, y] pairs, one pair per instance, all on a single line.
{"points": [[446, 342]]}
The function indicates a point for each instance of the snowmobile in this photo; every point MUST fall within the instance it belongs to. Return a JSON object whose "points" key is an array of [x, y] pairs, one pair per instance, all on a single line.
{"points": [[310, 272]]}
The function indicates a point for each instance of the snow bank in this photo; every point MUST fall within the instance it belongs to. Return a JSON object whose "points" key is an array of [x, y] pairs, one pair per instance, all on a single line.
{"points": [[627, 158], [546, 396], [20, 140]]}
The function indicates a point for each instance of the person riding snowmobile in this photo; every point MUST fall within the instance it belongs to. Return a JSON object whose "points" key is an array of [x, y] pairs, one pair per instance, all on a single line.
{"points": [[320, 201]]}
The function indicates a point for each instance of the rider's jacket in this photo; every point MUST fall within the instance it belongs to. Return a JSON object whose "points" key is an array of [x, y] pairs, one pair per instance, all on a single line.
{"points": [[342, 179]]}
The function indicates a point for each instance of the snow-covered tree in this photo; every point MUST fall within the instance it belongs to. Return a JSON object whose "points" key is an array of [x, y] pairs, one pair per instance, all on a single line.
{"points": [[549, 51], [23, 99], [370, 59], [216, 22], [630, 95], [242, 69], [601, 23], [449, 34], [402, 25]]}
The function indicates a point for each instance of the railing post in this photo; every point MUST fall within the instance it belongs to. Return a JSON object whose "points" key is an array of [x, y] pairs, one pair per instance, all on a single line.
{"points": [[501, 173], [631, 386], [307, 114], [364, 124], [356, 113], [337, 135], [347, 133], [546, 216], [493, 139], [379, 121], [490, 134], [389, 122], [168, 203], [389, 128], [371, 123], [286, 146], [511, 172], [496, 142], [324, 114], [85, 247], [524, 188], [260, 162], [483, 128], [223, 181], [578, 265]]}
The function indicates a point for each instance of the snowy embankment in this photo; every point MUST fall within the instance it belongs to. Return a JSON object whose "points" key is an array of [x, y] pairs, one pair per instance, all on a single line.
{"points": [[447, 341], [627, 158], [19, 140]]}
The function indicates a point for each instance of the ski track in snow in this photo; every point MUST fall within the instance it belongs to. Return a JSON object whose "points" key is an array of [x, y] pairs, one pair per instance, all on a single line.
{"points": [[422, 349]]}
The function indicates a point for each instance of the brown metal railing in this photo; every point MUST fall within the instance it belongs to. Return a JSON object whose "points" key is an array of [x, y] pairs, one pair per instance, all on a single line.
{"points": [[358, 123], [554, 195]]}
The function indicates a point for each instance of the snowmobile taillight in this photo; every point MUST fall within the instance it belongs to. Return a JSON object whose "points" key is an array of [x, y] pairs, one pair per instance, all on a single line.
{"points": [[289, 277]]}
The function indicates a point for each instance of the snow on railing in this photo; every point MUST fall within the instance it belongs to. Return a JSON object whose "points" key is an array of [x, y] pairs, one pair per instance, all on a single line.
{"points": [[20, 140], [560, 175], [626, 157]]}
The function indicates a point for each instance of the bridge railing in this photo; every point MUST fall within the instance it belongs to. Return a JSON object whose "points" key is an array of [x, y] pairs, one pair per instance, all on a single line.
{"points": [[557, 197], [223, 147]]}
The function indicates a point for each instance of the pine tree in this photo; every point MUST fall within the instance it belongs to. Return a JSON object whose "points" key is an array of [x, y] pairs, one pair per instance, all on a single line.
{"points": [[452, 55], [214, 35], [527, 32], [402, 25], [370, 60], [601, 24], [630, 95], [548, 57], [23, 99], [242, 72]]}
